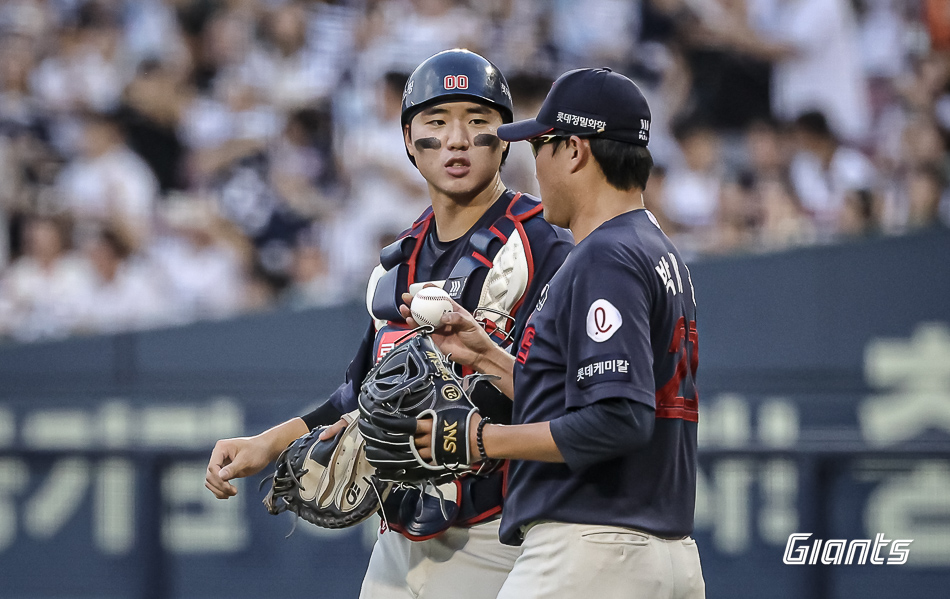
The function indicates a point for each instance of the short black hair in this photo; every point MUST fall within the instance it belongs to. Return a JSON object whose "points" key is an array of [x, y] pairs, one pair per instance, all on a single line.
{"points": [[685, 127], [396, 81], [625, 165], [816, 123]]}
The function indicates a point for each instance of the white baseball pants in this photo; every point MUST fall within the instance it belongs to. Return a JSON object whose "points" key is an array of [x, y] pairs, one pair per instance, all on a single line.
{"points": [[573, 561], [461, 563]]}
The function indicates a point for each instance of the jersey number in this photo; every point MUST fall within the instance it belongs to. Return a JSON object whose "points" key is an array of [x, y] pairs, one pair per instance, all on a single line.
{"points": [[678, 398], [455, 82]]}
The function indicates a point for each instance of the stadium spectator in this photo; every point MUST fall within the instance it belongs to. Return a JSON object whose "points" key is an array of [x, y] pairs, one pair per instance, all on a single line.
{"points": [[836, 183], [283, 115], [227, 126], [593, 32], [817, 63], [150, 112], [198, 265], [927, 201], [108, 182], [285, 70], [312, 285], [692, 186], [399, 34], [38, 292], [123, 293], [85, 71], [780, 220]]}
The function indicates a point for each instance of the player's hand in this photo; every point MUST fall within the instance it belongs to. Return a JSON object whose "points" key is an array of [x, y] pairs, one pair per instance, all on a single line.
{"points": [[423, 439], [235, 458], [332, 430], [460, 337]]}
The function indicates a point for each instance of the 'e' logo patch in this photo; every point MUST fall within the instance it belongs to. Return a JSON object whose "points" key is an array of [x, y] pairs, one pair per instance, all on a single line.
{"points": [[603, 320]]}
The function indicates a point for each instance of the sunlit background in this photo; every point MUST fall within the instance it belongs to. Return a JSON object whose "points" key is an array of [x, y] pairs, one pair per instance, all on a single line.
{"points": [[193, 194]]}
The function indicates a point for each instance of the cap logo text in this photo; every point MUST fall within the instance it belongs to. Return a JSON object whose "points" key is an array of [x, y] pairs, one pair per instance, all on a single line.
{"points": [[581, 121], [644, 129]]}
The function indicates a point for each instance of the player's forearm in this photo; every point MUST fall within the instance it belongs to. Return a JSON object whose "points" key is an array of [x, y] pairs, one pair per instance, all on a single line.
{"points": [[500, 363], [325, 414], [276, 439], [521, 442]]}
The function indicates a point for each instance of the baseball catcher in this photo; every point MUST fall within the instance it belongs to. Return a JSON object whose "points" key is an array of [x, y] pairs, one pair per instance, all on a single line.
{"points": [[416, 381], [328, 483]]}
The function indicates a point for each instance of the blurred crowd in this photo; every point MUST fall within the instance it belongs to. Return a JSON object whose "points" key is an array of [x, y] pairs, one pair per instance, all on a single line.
{"points": [[163, 161]]}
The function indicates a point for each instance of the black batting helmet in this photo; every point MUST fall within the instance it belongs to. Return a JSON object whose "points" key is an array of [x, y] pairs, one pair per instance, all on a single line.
{"points": [[456, 75]]}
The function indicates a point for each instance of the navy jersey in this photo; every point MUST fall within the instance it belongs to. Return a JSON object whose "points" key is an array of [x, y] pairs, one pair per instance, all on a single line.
{"points": [[547, 248], [617, 321]]}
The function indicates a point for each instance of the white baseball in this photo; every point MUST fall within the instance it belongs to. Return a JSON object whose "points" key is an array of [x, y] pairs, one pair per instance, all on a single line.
{"points": [[428, 306]]}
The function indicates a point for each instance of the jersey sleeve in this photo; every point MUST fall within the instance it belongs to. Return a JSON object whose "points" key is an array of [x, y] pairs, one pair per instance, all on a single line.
{"points": [[345, 398], [612, 427], [607, 336]]}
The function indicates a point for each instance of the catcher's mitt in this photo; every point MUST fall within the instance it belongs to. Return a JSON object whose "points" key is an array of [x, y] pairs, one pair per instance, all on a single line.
{"points": [[328, 483], [414, 381]]}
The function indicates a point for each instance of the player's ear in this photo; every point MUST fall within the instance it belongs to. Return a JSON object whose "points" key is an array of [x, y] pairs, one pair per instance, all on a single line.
{"points": [[578, 150], [407, 138]]}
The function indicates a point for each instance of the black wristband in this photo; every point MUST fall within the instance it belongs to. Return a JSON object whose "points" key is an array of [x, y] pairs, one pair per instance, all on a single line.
{"points": [[478, 438]]}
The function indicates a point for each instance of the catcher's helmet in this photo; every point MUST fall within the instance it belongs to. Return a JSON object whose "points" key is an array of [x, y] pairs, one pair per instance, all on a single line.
{"points": [[456, 75]]}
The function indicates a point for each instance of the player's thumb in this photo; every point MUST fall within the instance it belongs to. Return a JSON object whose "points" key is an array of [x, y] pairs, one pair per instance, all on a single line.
{"points": [[232, 470], [460, 320], [450, 318]]}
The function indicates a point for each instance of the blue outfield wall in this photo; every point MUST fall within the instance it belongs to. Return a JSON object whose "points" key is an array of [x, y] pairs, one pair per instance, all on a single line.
{"points": [[825, 408]]}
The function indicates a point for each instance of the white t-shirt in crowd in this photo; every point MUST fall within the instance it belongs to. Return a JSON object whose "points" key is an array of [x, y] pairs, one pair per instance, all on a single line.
{"points": [[118, 184], [132, 300], [826, 72], [691, 198], [39, 303], [822, 192]]}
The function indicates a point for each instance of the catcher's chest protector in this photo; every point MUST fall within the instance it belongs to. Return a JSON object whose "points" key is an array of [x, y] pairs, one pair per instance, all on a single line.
{"points": [[489, 281]]}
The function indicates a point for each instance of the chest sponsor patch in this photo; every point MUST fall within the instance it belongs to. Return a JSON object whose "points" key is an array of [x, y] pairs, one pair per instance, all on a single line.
{"points": [[603, 320], [386, 341], [602, 369]]}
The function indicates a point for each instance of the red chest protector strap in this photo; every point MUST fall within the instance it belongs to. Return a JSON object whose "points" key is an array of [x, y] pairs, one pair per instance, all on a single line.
{"points": [[399, 260]]}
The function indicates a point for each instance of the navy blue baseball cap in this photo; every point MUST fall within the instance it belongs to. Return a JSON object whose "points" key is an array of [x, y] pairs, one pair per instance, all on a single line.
{"points": [[589, 102]]}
